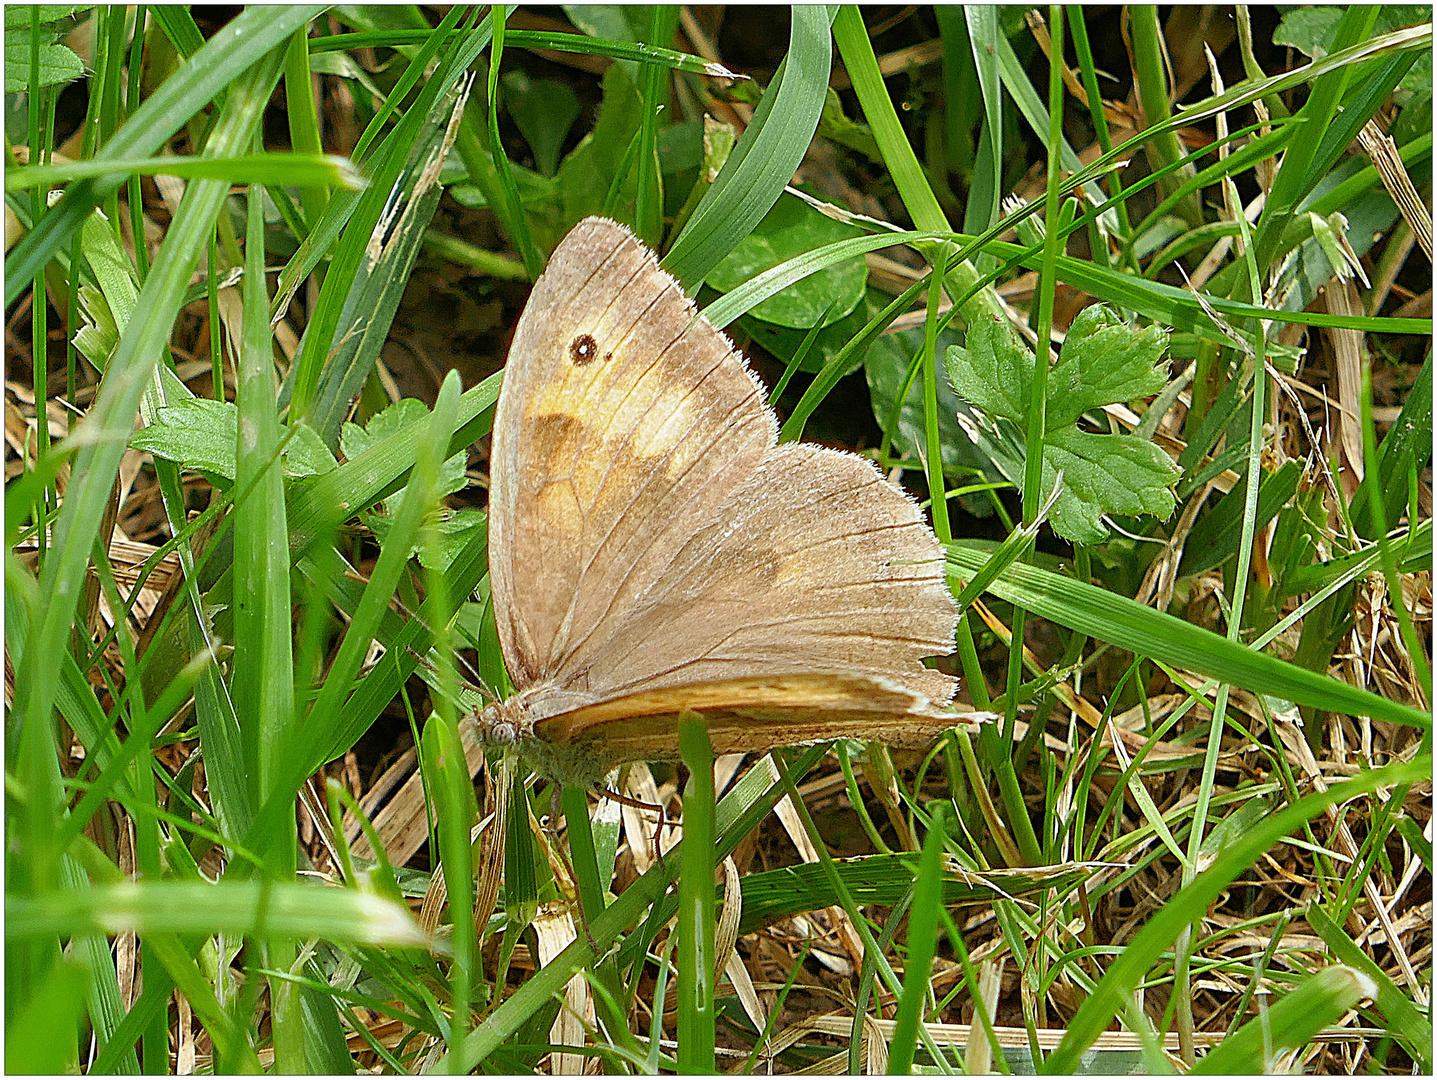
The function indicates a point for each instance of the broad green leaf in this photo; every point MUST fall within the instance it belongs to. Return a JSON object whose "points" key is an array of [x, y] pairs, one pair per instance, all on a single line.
{"points": [[17, 16], [887, 366], [199, 434], [791, 228], [543, 110], [58, 64], [1307, 29], [1311, 30], [585, 175], [1103, 362], [355, 440]]}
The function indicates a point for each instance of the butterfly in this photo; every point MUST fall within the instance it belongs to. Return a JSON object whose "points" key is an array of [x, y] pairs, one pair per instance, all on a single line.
{"points": [[654, 552]]}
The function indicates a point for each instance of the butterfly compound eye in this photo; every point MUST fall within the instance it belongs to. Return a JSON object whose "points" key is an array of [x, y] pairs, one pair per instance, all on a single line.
{"points": [[583, 349]]}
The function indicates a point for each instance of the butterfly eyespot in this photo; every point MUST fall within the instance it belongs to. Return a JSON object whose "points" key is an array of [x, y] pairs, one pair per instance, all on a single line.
{"points": [[584, 349]]}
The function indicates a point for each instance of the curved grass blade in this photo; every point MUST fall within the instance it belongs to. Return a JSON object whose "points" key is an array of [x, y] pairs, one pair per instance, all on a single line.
{"points": [[766, 157], [1142, 630]]}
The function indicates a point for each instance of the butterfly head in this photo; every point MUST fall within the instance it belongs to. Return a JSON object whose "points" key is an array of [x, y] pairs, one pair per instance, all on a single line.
{"points": [[503, 723], [511, 722]]}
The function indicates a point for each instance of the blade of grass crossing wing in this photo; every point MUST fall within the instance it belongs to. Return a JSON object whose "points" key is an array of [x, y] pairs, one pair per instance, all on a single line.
{"points": [[766, 157]]}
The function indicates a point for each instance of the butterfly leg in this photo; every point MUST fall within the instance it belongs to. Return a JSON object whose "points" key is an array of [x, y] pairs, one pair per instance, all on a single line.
{"points": [[624, 800]]}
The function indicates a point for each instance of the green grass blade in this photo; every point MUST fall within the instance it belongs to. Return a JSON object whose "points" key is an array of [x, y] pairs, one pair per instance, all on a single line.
{"points": [[1404, 1018], [233, 50], [275, 168], [126, 379], [1116, 619], [696, 960], [766, 157], [1289, 1024], [241, 908], [1144, 951], [922, 942]]}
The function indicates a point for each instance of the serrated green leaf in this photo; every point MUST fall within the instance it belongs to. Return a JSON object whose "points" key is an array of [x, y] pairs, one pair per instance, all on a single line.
{"points": [[1103, 362], [58, 64], [355, 440], [199, 434], [17, 16]]}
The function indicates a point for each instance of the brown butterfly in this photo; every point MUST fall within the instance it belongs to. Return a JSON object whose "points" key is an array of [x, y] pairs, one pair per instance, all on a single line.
{"points": [[654, 552]]}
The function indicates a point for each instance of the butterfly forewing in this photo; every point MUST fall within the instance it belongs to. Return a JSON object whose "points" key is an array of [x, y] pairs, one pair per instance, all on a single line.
{"points": [[623, 424]]}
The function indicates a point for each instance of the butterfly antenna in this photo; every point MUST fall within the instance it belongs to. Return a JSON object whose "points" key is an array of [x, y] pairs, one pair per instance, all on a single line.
{"points": [[477, 682]]}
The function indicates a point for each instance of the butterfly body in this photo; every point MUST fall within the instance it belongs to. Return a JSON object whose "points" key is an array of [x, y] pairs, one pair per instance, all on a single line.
{"points": [[655, 553]]}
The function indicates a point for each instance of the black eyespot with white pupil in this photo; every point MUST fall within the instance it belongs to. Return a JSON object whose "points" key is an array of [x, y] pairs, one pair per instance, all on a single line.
{"points": [[583, 349]]}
